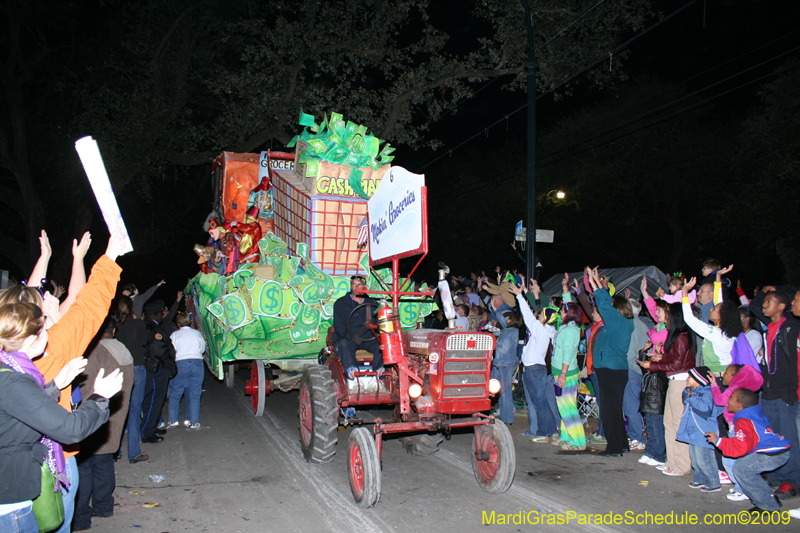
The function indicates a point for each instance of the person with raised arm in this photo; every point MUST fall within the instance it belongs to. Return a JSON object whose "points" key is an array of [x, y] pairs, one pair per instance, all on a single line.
{"points": [[726, 325], [535, 370], [71, 334], [33, 426], [610, 361]]}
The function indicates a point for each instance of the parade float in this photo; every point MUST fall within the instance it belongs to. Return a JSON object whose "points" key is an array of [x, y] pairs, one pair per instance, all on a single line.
{"points": [[286, 233]]}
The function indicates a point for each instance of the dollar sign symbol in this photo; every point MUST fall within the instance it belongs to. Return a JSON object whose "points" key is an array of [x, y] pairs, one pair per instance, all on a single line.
{"points": [[408, 314], [269, 299], [308, 315], [272, 298], [233, 311]]}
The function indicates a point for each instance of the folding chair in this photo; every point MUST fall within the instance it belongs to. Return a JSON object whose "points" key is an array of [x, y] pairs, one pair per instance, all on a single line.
{"points": [[587, 402], [587, 398]]}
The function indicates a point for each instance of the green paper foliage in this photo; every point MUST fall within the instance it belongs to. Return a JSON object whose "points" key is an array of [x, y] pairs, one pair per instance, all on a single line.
{"points": [[342, 143]]}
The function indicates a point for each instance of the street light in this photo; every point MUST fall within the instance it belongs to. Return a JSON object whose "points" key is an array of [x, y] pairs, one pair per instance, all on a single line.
{"points": [[559, 195]]}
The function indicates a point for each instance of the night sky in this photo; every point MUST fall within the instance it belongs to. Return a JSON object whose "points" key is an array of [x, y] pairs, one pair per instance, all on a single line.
{"points": [[477, 187]]}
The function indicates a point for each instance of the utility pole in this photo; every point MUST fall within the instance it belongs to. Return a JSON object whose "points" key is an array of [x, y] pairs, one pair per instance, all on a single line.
{"points": [[531, 225]]}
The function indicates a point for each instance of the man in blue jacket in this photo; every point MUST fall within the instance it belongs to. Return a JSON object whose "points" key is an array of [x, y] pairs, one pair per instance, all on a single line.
{"points": [[344, 344]]}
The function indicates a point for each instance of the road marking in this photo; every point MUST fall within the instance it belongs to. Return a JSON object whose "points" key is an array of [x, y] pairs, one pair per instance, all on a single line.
{"points": [[334, 503]]}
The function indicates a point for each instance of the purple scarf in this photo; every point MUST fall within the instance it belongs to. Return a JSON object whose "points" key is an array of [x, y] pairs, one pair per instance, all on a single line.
{"points": [[55, 453]]}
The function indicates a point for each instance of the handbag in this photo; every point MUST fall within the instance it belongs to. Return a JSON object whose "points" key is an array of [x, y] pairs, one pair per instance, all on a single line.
{"points": [[654, 393], [48, 506]]}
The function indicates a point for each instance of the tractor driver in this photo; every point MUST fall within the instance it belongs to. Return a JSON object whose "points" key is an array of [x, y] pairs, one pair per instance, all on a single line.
{"points": [[346, 346]]}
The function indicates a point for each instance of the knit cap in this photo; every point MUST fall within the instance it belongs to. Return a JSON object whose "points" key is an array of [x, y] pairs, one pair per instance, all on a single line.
{"points": [[700, 375]]}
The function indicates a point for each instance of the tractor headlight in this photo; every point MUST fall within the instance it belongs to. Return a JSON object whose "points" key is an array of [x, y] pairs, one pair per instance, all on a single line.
{"points": [[415, 390], [494, 386]]}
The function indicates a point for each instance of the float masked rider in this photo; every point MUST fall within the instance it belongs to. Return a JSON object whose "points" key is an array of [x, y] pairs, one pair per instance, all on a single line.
{"points": [[349, 328]]}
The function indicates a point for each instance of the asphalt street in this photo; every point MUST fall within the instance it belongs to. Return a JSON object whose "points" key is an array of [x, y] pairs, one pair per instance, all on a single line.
{"points": [[240, 473]]}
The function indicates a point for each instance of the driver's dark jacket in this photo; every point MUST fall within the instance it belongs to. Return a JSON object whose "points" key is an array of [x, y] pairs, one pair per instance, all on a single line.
{"points": [[342, 309]]}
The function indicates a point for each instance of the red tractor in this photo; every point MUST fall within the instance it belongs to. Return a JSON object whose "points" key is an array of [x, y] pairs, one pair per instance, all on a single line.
{"points": [[434, 380]]}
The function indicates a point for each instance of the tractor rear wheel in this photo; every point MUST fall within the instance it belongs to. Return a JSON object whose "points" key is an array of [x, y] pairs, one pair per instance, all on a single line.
{"points": [[364, 467], [319, 414], [493, 457]]}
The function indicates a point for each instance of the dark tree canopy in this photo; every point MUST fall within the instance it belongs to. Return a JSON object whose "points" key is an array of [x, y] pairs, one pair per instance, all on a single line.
{"points": [[165, 85]]}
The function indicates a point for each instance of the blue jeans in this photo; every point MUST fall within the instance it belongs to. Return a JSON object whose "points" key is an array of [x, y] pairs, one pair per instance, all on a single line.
{"points": [[189, 380], [748, 471], [135, 411], [630, 405], [656, 446], [783, 421], [728, 463], [68, 495], [704, 463], [19, 521], [505, 374], [534, 378], [596, 386], [550, 390], [533, 418]]}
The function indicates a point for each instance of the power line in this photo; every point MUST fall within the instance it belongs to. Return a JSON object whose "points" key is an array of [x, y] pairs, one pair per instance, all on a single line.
{"points": [[646, 100], [514, 173], [664, 106], [676, 113], [566, 80]]}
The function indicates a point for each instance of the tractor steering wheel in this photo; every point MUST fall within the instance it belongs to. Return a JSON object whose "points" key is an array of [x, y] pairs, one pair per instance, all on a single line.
{"points": [[362, 335]]}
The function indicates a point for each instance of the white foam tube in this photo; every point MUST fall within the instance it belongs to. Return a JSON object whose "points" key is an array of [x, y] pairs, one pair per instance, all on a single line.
{"points": [[92, 161]]}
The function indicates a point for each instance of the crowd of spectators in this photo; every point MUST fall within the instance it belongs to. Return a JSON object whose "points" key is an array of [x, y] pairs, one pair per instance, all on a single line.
{"points": [[77, 373], [700, 379], [704, 382]]}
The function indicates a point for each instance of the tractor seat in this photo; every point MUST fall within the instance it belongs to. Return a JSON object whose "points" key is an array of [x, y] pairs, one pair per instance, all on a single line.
{"points": [[361, 355]]}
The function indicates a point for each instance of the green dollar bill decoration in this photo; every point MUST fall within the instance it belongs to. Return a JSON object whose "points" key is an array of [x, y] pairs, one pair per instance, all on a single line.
{"points": [[237, 310], [247, 317], [342, 143], [306, 324], [323, 282]]}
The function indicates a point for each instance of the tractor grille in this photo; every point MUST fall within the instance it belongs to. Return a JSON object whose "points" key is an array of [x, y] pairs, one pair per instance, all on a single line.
{"points": [[465, 354], [463, 392], [469, 342], [464, 379], [464, 366]]}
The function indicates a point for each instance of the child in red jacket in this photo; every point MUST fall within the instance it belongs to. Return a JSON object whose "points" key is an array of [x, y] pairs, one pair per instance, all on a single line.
{"points": [[757, 447]]}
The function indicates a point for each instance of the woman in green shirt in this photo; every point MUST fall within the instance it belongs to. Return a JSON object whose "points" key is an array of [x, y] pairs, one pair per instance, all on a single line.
{"points": [[565, 365]]}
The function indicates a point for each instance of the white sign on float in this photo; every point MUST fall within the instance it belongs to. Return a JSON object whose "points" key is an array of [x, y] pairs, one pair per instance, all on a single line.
{"points": [[395, 215], [98, 178]]}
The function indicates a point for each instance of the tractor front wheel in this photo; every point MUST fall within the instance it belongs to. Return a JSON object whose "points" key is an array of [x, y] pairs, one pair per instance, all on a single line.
{"points": [[364, 467], [257, 387], [318, 414], [493, 457]]}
